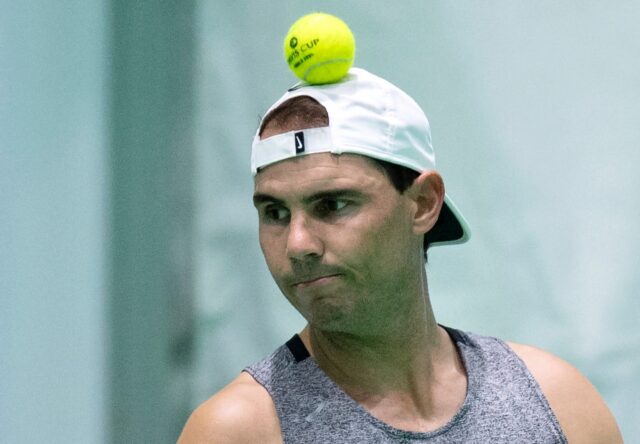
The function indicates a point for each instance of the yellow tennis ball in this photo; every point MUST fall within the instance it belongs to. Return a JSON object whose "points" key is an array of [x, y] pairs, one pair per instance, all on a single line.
{"points": [[319, 48]]}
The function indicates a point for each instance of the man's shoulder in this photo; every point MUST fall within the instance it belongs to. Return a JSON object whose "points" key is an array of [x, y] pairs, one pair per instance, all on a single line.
{"points": [[242, 412], [581, 411]]}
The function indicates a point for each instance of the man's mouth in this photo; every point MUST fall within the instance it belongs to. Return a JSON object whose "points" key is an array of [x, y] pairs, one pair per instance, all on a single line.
{"points": [[312, 281]]}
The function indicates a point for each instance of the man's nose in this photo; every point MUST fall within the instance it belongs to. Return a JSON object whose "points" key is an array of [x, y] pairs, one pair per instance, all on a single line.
{"points": [[303, 241]]}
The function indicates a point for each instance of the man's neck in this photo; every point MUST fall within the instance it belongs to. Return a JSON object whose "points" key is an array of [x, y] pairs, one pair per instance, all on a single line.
{"points": [[406, 372]]}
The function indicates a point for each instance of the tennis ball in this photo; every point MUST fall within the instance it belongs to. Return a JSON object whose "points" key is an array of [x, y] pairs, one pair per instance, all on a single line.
{"points": [[319, 48]]}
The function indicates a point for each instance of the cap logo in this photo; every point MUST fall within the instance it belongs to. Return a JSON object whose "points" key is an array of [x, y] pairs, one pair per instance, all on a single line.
{"points": [[299, 138]]}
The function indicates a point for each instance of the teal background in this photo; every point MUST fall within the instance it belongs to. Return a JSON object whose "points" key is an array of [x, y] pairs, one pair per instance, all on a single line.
{"points": [[131, 282]]}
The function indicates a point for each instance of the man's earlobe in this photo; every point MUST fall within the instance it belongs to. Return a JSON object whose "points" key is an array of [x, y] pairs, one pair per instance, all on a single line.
{"points": [[427, 193]]}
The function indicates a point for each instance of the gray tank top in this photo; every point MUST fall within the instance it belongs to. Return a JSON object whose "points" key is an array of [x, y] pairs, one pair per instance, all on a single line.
{"points": [[504, 403]]}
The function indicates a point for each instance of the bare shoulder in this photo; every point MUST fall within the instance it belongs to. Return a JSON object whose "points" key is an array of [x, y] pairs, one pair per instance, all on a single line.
{"points": [[242, 412], [581, 411]]}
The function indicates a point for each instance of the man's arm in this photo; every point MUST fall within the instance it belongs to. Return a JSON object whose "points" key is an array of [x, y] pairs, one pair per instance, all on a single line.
{"points": [[242, 412], [583, 415]]}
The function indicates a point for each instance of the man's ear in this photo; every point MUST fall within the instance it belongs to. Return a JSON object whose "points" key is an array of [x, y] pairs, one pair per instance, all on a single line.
{"points": [[427, 195]]}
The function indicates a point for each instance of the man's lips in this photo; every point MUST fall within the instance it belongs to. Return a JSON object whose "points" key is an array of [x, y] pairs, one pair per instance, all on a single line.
{"points": [[314, 280]]}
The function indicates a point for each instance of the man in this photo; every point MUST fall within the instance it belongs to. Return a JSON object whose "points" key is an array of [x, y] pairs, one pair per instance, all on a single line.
{"points": [[349, 200]]}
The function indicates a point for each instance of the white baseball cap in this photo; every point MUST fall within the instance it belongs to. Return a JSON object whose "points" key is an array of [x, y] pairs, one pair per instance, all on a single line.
{"points": [[371, 117]]}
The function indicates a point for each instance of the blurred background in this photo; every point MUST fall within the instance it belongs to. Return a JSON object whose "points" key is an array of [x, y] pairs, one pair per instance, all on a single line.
{"points": [[132, 286]]}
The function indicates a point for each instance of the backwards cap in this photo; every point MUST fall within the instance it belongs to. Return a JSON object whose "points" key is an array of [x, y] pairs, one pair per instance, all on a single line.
{"points": [[371, 117]]}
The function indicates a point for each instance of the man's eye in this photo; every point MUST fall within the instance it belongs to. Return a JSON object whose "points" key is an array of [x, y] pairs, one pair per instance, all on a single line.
{"points": [[327, 207], [275, 213]]}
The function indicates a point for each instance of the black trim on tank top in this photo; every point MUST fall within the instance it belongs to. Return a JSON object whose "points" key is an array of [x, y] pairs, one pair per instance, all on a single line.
{"points": [[455, 335], [297, 348]]}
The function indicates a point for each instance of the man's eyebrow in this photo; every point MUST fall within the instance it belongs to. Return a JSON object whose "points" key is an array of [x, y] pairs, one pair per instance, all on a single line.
{"points": [[333, 194], [260, 198]]}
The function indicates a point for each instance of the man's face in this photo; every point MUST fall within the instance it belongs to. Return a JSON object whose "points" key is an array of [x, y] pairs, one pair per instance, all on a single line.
{"points": [[337, 237]]}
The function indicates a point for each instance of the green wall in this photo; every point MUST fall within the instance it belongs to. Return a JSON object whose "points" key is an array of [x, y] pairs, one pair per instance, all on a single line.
{"points": [[53, 231]]}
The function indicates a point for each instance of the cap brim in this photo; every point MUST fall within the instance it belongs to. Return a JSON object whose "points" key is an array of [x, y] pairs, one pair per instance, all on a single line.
{"points": [[451, 227]]}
